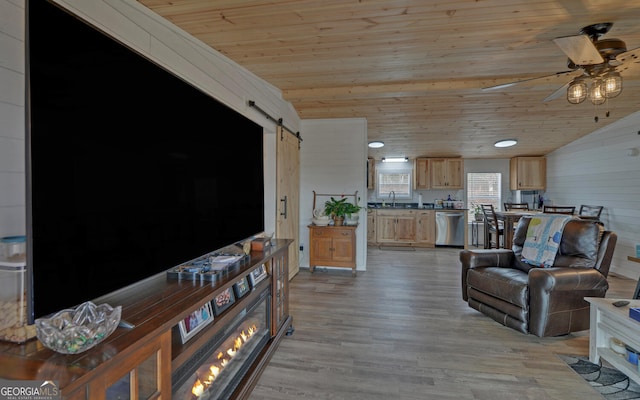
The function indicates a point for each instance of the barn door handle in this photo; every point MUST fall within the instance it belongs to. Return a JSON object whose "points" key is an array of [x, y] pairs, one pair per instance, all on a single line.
{"points": [[284, 213]]}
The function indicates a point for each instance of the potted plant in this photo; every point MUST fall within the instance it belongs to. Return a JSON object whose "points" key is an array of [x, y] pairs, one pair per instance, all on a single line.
{"points": [[477, 211], [338, 209], [352, 214]]}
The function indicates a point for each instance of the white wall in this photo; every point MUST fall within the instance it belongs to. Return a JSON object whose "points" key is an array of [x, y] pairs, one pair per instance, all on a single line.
{"points": [[12, 139], [156, 39], [333, 159], [597, 170]]}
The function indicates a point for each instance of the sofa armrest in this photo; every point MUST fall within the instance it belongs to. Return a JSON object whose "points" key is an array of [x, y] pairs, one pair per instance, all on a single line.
{"points": [[483, 258], [556, 298], [547, 280]]}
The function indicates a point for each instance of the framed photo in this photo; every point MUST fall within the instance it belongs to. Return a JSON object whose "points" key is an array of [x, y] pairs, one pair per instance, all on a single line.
{"points": [[194, 323], [223, 301], [241, 287], [257, 275]]}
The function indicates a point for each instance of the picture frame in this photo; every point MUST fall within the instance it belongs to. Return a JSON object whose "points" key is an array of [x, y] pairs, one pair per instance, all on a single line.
{"points": [[241, 287], [257, 275], [223, 301], [195, 322]]}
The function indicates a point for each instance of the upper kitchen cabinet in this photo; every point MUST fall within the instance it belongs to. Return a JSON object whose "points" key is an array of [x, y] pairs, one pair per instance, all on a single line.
{"points": [[371, 173], [528, 173], [446, 173], [421, 174]]}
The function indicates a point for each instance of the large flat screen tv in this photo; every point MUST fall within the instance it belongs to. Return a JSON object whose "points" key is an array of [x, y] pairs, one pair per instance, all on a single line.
{"points": [[131, 171]]}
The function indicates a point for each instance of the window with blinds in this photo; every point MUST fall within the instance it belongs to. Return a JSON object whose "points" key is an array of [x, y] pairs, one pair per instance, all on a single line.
{"points": [[398, 182], [484, 188]]}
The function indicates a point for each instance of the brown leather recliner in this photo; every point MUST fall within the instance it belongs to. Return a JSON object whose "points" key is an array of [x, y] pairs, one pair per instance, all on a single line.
{"points": [[541, 301]]}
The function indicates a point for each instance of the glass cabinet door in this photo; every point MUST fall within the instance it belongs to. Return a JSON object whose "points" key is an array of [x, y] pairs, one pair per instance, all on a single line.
{"points": [[132, 379]]}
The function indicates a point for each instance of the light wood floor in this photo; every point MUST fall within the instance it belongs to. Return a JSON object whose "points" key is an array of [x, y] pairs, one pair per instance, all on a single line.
{"points": [[400, 330]]}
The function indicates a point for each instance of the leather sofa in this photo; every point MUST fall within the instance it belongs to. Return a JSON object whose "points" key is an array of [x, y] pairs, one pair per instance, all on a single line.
{"points": [[541, 301]]}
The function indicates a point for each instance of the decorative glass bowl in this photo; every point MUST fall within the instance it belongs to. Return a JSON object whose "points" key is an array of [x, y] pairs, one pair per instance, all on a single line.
{"points": [[76, 330]]}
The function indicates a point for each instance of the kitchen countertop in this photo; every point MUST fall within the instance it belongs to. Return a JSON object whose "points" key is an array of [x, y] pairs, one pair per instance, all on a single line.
{"points": [[400, 206], [409, 206]]}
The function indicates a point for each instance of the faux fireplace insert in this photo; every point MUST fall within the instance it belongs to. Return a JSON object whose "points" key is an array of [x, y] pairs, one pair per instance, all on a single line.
{"points": [[216, 369]]}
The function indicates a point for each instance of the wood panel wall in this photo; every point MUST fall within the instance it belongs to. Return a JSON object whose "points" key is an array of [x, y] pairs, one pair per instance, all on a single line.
{"points": [[597, 170], [12, 67]]}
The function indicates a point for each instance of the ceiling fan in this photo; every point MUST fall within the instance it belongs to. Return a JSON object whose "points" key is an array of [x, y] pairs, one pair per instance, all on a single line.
{"points": [[594, 64]]}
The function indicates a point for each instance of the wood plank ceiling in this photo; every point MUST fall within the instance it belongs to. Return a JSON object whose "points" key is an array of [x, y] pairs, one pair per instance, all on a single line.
{"points": [[415, 68]]}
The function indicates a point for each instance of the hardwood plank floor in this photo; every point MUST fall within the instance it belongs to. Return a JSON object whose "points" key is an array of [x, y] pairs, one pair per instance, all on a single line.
{"points": [[401, 330]]}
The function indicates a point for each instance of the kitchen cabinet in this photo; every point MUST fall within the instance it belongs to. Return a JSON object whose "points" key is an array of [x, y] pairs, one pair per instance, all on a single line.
{"points": [[371, 173], [527, 173], [371, 226], [404, 227], [426, 227], [395, 226], [332, 246], [446, 173], [421, 174]]}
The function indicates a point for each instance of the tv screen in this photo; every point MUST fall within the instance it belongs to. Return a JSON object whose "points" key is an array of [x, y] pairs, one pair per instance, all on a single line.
{"points": [[131, 170]]}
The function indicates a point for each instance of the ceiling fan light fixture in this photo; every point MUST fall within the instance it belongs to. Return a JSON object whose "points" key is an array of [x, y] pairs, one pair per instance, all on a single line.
{"points": [[376, 144], [505, 143], [596, 95], [611, 85], [577, 92]]}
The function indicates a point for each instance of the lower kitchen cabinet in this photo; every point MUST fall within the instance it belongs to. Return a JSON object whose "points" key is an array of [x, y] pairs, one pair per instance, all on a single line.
{"points": [[395, 226], [332, 246], [426, 227], [402, 227], [371, 226]]}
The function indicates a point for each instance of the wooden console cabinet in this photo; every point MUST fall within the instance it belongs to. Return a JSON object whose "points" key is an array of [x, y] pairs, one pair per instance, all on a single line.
{"points": [[332, 246], [144, 358]]}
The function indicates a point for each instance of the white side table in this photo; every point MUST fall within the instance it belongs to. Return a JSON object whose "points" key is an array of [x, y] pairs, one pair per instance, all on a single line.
{"points": [[608, 321]]}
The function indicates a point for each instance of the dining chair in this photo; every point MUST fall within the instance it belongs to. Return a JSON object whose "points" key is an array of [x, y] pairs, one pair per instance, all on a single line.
{"points": [[592, 212], [516, 206], [494, 227], [569, 210]]}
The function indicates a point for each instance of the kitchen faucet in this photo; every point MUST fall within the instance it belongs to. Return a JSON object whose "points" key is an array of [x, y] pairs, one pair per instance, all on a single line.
{"points": [[393, 193]]}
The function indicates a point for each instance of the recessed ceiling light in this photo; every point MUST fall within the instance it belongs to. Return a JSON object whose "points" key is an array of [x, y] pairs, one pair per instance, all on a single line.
{"points": [[506, 143], [394, 159], [376, 144]]}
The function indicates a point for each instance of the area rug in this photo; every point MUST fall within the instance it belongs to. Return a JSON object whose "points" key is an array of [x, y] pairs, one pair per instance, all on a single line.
{"points": [[608, 381]]}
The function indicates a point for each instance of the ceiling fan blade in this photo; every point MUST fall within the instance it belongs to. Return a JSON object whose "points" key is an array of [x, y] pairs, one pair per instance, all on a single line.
{"points": [[559, 92], [509, 84], [579, 49], [624, 60]]}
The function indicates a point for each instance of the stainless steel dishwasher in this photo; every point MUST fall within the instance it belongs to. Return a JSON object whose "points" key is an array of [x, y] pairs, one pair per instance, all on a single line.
{"points": [[450, 228]]}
